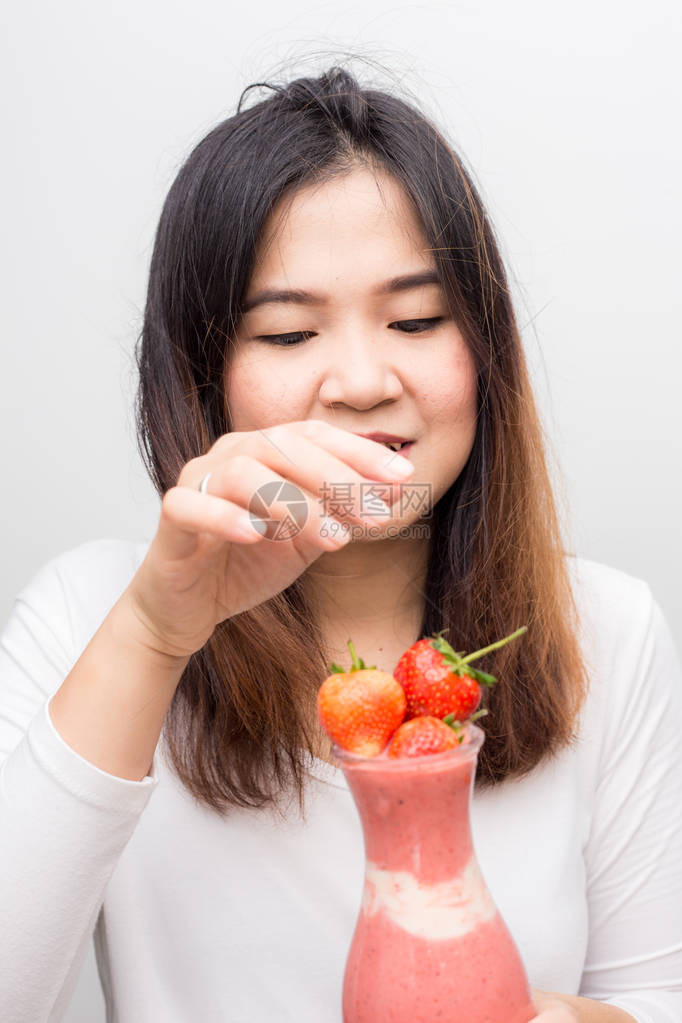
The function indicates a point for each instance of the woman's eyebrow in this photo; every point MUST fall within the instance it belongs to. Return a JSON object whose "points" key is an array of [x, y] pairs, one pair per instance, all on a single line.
{"points": [[406, 282]]}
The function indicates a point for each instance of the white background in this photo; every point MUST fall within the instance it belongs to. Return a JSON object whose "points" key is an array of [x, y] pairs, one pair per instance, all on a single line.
{"points": [[567, 114]]}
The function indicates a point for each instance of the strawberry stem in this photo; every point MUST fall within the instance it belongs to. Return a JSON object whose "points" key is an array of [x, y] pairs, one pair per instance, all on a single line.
{"points": [[457, 726], [357, 663], [478, 714], [494, 646]]}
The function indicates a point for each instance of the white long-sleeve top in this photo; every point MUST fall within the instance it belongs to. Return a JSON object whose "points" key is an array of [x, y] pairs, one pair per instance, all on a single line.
{"points": [[249, 918]]}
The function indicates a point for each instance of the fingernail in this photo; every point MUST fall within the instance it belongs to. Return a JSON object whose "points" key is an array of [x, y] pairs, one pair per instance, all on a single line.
{"points": [[398, 467]]}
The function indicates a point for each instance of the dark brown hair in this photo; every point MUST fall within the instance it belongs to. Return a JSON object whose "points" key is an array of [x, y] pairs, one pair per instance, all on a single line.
{"points": [[238, 729]]}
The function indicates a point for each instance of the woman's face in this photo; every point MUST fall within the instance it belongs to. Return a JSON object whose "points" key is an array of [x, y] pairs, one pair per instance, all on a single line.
{"points": [[355, 353]]}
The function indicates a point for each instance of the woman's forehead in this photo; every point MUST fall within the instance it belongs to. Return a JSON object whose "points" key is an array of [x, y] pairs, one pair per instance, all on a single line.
{"points": [[357, 225]]}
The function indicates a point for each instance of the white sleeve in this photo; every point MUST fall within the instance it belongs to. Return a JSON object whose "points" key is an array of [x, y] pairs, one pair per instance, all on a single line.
{"points": [[634, 852], [64, 822]]}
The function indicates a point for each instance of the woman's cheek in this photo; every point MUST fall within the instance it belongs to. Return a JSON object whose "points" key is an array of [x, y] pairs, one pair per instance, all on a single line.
{"points": [[258, 396]]}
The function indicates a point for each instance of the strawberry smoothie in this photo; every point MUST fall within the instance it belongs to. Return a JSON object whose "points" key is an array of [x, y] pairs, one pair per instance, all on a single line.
{"points": [[429, 944]]}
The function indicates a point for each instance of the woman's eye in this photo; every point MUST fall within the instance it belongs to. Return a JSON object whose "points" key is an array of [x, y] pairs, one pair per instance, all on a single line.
{"points": [[297, 336], [286, 340], [416, 326]]}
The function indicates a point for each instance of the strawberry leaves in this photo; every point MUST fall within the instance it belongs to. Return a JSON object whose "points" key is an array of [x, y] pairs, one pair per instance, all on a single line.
{"points": [[460, 663]]}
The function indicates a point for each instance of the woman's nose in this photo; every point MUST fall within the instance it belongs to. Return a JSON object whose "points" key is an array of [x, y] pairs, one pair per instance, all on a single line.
{"points": [[359, 373]]}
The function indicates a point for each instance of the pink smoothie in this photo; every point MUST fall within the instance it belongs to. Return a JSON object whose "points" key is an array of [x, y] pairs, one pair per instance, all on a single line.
{"points": [[429, 945]]}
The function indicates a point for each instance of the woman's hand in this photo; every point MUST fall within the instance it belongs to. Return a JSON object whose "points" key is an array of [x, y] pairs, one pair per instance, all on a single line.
{"points": [[551, 1010], [207, 562]]}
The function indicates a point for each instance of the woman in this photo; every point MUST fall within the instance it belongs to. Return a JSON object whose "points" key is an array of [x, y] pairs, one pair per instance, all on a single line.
{"points": [[324, 271]]}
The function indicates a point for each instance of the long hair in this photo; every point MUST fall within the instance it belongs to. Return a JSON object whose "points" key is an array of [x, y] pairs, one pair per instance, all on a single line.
{"points": [[238, 730]]}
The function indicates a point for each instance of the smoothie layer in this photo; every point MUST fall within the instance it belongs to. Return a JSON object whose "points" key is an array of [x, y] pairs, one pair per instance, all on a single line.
{"points": [[396, 977], [416, 814], [446, 909]]}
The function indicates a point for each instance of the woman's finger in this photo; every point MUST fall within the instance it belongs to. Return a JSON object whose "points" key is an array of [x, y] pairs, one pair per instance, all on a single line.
{"points": [[186, 513]]}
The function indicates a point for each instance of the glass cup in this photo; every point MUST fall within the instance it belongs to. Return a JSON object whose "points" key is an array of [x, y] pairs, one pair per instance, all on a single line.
{"points": [[429, 943]]}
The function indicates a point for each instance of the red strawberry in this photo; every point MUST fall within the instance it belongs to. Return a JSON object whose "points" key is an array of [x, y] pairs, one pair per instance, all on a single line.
{"points": [[421, 736], [438, 681], [361, 708]]}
